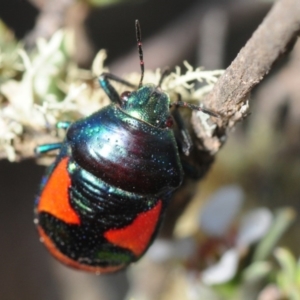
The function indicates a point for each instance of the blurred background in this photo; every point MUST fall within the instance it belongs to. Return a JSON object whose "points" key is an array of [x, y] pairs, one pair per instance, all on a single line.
{"points": [[239, 236]]}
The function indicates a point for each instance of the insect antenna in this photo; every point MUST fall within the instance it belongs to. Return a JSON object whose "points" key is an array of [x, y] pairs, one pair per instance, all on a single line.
{"points": [[140, 49]]}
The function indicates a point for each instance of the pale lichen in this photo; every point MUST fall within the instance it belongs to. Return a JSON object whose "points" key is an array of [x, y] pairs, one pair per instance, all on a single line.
{"points": [[43, 87]]}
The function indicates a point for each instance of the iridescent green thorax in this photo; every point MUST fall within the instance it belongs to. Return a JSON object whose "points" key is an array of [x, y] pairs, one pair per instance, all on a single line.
{"points": [[149, 104]]}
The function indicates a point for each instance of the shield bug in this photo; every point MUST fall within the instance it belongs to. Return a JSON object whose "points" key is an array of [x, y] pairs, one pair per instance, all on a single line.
{"points": [[103, 199]]}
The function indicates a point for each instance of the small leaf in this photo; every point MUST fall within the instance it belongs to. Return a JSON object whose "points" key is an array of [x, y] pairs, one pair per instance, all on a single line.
{"points": [[282, 220], [257, 271], [287, 263]]}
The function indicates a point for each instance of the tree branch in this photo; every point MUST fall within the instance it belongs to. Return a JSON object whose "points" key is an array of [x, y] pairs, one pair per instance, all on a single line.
{"points": [[273, 38]]}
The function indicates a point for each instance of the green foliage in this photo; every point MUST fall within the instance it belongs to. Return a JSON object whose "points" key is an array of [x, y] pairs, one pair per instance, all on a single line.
{"points": [[288, 276]]}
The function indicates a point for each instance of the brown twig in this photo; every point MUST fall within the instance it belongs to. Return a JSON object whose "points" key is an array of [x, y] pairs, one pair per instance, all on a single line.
{"points": [[50, 19], [273, 38]]}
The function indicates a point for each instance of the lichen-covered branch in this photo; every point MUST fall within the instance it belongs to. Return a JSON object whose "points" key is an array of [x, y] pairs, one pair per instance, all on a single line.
{"points": [[273, 38], [38, 91], [42, 88]]}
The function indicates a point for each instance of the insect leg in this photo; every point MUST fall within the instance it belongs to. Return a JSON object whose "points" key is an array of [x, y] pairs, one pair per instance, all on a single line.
{"points": [[47, 148], [164, 74], [185, 138], [180, 103], [109, 89], [63, 125]]}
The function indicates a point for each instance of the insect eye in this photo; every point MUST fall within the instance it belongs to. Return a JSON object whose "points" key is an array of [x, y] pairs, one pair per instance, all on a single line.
{"points": [[170, 122], [125, 95]]}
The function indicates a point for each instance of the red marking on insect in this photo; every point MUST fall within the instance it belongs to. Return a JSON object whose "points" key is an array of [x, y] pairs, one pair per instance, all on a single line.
{"points": [[55, 196], [137, 235], [169, 122], [125, 95]]}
